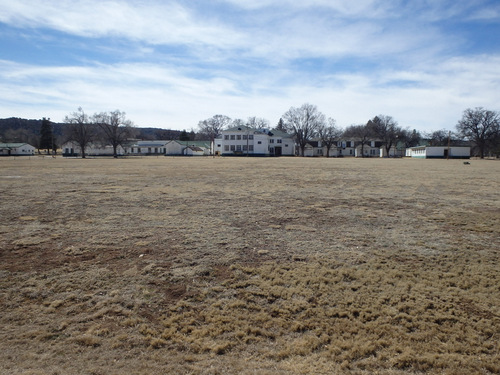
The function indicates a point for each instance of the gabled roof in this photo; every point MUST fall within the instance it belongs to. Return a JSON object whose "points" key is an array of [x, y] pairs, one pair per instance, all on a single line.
{"points": [[240, 128], [199, 144], [313, 143], [269, 132], [279, 133], [151, 143], [13, 145]]}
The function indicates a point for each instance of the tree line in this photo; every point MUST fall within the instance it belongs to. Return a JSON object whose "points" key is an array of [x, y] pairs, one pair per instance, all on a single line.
{"points": [[478, 126]]}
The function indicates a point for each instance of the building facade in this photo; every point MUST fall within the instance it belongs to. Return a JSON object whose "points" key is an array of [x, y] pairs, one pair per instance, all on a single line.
{"points": [[244, 140]]}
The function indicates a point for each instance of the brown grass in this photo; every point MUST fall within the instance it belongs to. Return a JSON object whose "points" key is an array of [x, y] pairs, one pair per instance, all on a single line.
{"points": [[268, 266]]}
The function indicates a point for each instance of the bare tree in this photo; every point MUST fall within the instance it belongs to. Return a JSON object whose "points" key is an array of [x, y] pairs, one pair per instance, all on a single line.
{"points": [[115, 128], [238, 122], [329, 134], [212, 127], [362, 134], [303, 122], [257, 122], [386, 129], [438, 137], [480, 126], [79, 129], [411, 138]]}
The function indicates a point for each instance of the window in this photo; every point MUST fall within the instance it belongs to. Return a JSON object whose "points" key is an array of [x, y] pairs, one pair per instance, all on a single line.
{"points": [[244, 136], [286, 144], [138, 150], [226, 137], [233, 148], [259, 142], [244, 147], [238, 148], [156, 150], [232, 137], [278, 141], [250, 136], [218, 145], [149, 150], [238, 137], [271, 140], [250, 148], [320, 151], [226, 147]]}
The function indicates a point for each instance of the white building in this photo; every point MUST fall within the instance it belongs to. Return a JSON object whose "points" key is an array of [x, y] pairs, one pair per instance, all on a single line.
{"points": [[438, 152], [187, 148], [371, 149], [146, 148], [16, 149], [243, 140], [93, 149]]}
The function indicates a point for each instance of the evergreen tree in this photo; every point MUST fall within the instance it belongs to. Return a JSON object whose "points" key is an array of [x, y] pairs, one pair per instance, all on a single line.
{"points": [[46, 136], [281, 125], [184, 136]]}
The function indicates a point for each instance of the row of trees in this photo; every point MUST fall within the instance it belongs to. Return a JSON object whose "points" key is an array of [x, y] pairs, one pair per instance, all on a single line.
{"points": [[107, 128], [479, 126]]}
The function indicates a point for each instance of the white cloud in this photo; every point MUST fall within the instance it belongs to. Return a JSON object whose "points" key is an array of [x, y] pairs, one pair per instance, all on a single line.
{"points": [[161, 96], [151, 22]]}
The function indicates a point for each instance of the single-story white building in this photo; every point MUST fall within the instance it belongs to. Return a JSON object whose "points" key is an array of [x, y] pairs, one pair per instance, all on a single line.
{"points": [[146, 148], [93, 149], [438, 152], [16, 149], [187, 148]]}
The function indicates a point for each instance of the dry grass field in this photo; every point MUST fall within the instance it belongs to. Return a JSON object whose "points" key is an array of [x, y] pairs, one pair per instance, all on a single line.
{"points": [[249, 266]]}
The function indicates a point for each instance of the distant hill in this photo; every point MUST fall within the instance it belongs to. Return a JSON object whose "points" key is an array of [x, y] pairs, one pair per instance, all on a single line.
{"points": [[28, 130]]}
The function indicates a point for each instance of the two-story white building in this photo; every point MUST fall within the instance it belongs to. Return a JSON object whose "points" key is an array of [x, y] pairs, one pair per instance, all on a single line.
{"points": [[244, 140], [338, 149]]}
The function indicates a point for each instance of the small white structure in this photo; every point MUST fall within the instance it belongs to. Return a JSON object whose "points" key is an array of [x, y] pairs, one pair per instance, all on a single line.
{"points": [[16, 149], [438, 152], [187, 148], [244, 140], [393, 152]]}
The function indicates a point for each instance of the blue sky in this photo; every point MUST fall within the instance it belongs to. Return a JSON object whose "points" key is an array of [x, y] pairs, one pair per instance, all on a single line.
{"points": [[171, 64]]}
